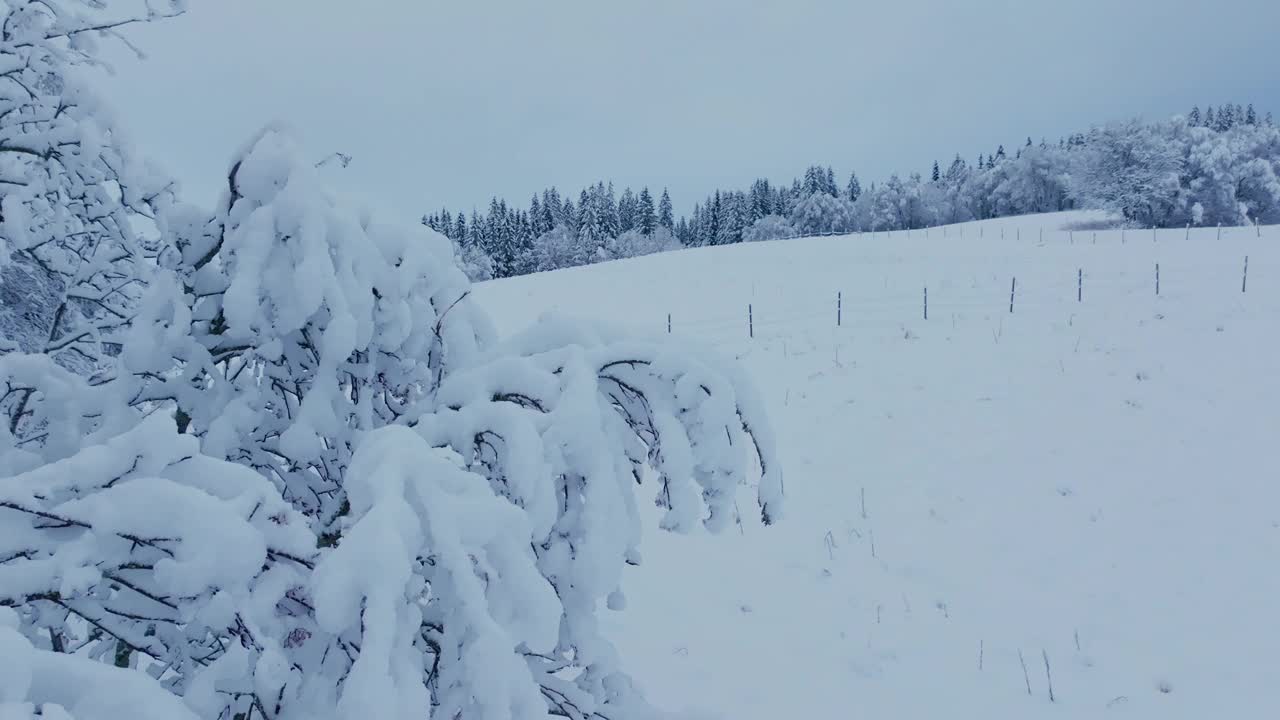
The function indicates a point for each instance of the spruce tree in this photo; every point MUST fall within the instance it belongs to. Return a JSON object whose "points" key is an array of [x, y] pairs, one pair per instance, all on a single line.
{"points": [[937, 173], [626, 211], [646, 218], [1251, 115], [460, 230], [665, 217], [957, 171], [1194, 119], [535, 216], [854, 189], [552, 208], [569, 214], [609, 211]]}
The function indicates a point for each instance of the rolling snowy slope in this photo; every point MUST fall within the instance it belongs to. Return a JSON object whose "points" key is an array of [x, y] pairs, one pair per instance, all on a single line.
{"points": [[1088, 482]]}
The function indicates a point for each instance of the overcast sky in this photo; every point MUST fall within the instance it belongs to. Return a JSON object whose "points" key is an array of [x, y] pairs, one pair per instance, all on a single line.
{"points": [[449, 103]]}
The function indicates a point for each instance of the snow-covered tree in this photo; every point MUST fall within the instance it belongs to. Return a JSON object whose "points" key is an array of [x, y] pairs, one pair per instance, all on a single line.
{"points": [[473, 261], [626, 211], [646, 218], [317, 485], [854, 189], [634, 243], [71, 262], [665, 217], [1132, 169], [769, 227], [561, 247], [822, 213]]}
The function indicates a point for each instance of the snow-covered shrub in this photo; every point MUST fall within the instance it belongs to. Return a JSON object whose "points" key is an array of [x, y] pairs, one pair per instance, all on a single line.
{"points": [[562, 247], [769, 227], [474, 261], [634, 243], [315, 484]]}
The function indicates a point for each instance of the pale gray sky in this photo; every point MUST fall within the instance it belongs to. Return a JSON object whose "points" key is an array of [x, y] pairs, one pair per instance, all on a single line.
{"points": [[448, 103]]}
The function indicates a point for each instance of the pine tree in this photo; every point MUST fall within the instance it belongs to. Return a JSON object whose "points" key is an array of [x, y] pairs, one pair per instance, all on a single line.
{"points": [[732, 220], [646, 219], [626, 211], [460, 230], [682, 232], [854, 189], [569, 213], [1194, 119], [937, 172], [665, 217], [999, 157], [552, 209], [476, 233], [713, 220], [535, 216], [1210, 118], [610, 212], [1226, 118], [829, 186], [1251, 115], [814, 180]]}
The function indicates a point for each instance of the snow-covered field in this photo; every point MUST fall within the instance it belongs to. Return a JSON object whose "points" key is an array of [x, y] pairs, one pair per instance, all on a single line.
{"points": [[1089, 482]]}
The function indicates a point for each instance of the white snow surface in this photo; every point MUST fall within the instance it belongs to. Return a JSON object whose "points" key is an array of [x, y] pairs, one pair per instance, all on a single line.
{"points": [[1092, 482]]}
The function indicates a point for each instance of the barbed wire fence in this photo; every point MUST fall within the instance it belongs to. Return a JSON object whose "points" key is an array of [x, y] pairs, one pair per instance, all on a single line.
{"points": [[1078, 287]]}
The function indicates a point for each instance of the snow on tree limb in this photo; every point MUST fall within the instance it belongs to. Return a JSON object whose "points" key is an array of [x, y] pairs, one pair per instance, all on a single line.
{"points": [[313, 481]]}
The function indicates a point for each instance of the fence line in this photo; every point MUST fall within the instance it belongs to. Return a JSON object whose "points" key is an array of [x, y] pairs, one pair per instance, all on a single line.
{"points": [[1068, 232], [1053, 294]]}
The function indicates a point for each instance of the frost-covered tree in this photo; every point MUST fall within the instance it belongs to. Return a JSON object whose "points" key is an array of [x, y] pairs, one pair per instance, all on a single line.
{"points": [[822, 213], [1132, 169], [769, 227], [854, 189], [71, 263], [646, 218], [666, 218], [473, 261], [626, 211], [634, 243], [561, 247], [316, 485]]}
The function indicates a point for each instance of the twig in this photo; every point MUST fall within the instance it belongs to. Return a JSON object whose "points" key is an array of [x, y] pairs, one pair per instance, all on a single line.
{"points": [[1025, 675], [1048, 676]]}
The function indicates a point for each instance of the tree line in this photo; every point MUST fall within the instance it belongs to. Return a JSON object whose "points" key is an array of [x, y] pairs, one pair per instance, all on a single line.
{"points": [[1217, 166]]}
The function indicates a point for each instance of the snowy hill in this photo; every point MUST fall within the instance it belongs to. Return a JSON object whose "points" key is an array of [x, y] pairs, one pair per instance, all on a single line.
{"points": [[1086, 483]]}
